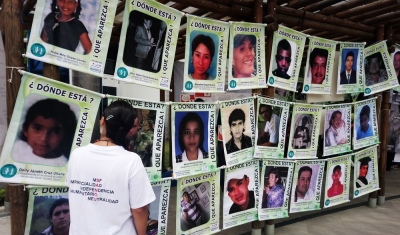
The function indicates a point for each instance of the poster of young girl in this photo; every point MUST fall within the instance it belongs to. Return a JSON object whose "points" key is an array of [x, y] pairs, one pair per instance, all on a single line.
{"points": [[146, 136], [50, 119], [207, 46], [271, 128], [276, 182], [72, 34], [193, 138], [147, 43], [238, 130], [246, 69], [197, 207]]}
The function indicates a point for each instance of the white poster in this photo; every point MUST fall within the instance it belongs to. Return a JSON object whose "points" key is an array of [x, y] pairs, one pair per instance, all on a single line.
{"points": [[3, 94]]}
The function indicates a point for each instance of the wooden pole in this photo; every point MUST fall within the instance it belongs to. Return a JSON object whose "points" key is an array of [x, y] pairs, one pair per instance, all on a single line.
{"points": [[365, 8], [320, 5], [383, 132], [343, 7], [374, 13], [18, 208]]}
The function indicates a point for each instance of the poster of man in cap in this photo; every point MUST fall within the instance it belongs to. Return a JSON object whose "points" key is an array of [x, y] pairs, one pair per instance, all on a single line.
{"points": [[366, 178]]}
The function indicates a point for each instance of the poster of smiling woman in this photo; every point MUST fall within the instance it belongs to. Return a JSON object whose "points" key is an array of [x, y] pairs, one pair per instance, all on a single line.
{"points": [[307, 185], [287, 50], [197, 207], [50, 119], [366, 177], [48, 211], [147, 43], [304, 131], [74, 34], [351, 68], [241, 194], [380, 74], [246, 66], [337, 130], [365, 131], [271, 128], [276, 182], [193, 138], [238, 130], [146, 137], [319, 66], [337, 180], [206, 51]]}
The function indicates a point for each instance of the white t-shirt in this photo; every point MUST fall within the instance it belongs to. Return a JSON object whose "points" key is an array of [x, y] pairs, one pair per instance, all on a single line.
{"points": [[272, 128], [23, 152], [105, 182]]}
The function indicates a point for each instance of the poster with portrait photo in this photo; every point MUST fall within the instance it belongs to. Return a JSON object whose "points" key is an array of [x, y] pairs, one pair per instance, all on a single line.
{"points": [[337, 129], [366, 179], [350, 68], [365, 131], [50, 119], [193, 138], [393, 141], [197, 207], [307, 184], [319, 66], [396, 64], [287, 51], [48, 210], [276, 182], [146, 138], [337, 180], [246, 69], [158, 210], [241, 195], [271, 128], [206, 50], [147, 44], [73, 35], [380, 74], [238, 130], [304, 131]]}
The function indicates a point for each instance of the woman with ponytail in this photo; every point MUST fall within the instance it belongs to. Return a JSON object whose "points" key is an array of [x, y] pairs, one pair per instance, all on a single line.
{"points": [[108, 185]]}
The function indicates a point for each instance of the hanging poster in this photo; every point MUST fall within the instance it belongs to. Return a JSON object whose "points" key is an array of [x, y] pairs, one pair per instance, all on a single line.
{"points": [[197, 207], [319, 66], [305, 130], [351, 68], [206, 52], [147, 44], [246, 56], [337, 130], [241, 196], [380, 74], [193, 138], [50, 119], [146, 138], [393, 140], [48, 211], [238, 130], [276, 179], [337, 180], [365, 132], [158, 209], [287, 50], [366, 178], [271, 128], [396, 64], [307, 184], [3, 94], [74, 35]]}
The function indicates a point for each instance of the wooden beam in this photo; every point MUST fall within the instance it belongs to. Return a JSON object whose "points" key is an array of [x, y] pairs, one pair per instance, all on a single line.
{"points": [[343, 7], [324, 26], [179, 6], [382, 19], [323, 19], [296, 4], [28, 6], [320, 5], [280, 2], [375, 13], [120, 7], [365, 8]]}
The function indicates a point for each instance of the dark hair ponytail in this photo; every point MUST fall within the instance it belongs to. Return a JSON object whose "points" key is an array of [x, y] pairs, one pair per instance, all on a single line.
{"points": [[119, 117]]}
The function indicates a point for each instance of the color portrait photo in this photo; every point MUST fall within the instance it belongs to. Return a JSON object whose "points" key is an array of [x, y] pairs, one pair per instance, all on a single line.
{"points": [[46, 131], [318, 60], [305, 183], [303, 126], [70, 24], [203, 55], [268, 125], [375, 70], [335, 127], [349, 65], [396, 62], [285, 52], [144, 42], [363, 172], [363, 122], [195, 205], [275, 182], [336, 180], [244, 56]]}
